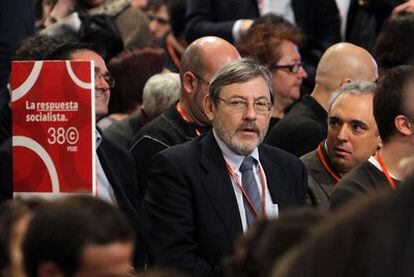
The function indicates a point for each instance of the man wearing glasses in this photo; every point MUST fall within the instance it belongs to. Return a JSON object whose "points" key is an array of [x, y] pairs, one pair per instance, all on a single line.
{"points": [[114, 165], [305, 125], [202, 194]]}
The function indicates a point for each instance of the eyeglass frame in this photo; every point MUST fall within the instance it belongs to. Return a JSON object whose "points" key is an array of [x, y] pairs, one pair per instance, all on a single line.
{"points": [[286, 67], [107, 77], [246, 103]]}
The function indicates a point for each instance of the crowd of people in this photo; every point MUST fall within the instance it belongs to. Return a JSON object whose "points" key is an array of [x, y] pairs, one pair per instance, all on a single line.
{"points": [[233, 138]]}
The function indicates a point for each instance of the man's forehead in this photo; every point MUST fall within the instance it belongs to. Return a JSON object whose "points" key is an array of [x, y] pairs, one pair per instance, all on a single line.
{"points": [[258, 83], [352, 100]]}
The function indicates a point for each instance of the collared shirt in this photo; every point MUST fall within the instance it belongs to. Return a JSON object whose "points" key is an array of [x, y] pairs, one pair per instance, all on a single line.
{"points": [[279, 7], [104, 189], [235, 160]]}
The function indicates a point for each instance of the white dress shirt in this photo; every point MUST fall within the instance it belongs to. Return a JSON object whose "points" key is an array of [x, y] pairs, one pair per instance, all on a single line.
{"points": [[235, 160], [104, 189]]}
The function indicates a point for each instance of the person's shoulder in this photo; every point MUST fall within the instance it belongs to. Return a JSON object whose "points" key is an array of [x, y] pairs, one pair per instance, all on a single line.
{"points": [[278, 155], [184, 150], [360, 176], [361, 180], [309, 157], [110, 146]]}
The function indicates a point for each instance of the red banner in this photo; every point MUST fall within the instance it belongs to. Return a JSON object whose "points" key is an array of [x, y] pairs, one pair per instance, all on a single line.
{"points": [[53, 127]]}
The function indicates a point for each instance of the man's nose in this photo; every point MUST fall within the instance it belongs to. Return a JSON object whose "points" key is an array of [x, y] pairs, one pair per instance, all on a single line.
{"points": [[343, 133], [250, 112]]}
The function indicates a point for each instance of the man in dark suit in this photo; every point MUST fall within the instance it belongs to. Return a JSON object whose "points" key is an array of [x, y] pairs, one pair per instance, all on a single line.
{"points": [[352, 138], [114, 165], [202, 194]]}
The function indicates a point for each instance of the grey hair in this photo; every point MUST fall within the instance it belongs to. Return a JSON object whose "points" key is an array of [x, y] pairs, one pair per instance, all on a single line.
{"points": [[239, 71], [160, 91], [352, 88]]}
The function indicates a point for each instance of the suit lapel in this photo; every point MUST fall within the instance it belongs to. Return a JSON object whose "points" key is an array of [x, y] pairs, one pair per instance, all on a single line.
{"points": [[104, 160], [272, 175], [218, 186]]}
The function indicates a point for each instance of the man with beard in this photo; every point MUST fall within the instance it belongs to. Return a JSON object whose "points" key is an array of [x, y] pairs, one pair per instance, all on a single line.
{"points": [[352, 138], [202, 194]]}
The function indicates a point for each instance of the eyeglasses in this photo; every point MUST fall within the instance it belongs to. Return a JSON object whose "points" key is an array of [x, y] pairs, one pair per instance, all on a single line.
{"points": [[159, 20], [292, 68], [106, 77], [261, 106]]}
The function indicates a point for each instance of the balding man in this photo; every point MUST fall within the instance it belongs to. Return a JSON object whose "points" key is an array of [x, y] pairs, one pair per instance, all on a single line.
{"points": [[305, 126], [186, 119], [352, 138]]}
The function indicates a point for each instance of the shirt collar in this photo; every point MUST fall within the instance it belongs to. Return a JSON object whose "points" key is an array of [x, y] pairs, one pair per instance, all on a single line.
{"points": [[98, 139], [232, 158]]}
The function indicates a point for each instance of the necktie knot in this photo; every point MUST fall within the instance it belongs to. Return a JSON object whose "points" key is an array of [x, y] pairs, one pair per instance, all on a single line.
{"points": [[247, 164]]}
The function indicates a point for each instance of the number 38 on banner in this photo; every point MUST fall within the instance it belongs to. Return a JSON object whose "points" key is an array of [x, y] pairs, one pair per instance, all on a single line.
{"points": [[63, 136]]}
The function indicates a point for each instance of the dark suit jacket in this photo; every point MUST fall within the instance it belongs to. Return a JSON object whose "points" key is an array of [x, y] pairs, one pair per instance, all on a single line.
{"points": [[16, 23], [302, 129], [318, 19], [119, 168], [190, 210], [321, 183]]}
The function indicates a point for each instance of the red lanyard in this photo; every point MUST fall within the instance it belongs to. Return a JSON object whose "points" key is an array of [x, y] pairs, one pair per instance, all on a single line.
{"points": [[230, 170], [384, 169], [172, 53], [325, 164], [185, 117]]}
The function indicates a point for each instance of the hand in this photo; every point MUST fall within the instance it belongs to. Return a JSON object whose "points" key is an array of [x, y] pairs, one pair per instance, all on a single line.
{"points": [[245, 25], [405, 7], [63, 8], [139, 4]]}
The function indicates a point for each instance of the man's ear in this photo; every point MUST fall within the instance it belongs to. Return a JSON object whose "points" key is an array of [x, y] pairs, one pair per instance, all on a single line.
{"points": [[189, 82], [403, 124], [49, 269], [344, 81], [208, 107]]}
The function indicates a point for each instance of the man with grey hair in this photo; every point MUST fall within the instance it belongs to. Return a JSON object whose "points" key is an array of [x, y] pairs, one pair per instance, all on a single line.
{"points": [[352, 138], [202, 194], [160, 92]]}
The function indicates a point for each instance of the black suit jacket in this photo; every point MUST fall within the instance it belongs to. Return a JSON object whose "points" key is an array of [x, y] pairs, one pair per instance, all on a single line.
{"points": [[119, 168], [190, 210], [319, 19], [17, 20], [302, 129]]}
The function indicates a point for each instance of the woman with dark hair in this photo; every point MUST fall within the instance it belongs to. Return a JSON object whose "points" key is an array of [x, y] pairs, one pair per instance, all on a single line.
{"points": [[131, 69], [274, 41], [395, 44]]}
